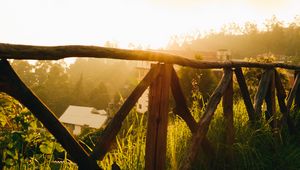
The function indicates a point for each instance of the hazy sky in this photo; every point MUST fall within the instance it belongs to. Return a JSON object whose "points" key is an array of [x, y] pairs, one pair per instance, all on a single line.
{"points": [[149, 22]]}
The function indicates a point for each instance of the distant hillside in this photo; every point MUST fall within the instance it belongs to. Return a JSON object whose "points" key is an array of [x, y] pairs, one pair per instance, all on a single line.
{"points": [[248, 41]]}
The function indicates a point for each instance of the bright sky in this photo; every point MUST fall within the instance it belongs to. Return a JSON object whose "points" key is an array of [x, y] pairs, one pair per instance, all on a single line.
{"points": [[147, 22]]}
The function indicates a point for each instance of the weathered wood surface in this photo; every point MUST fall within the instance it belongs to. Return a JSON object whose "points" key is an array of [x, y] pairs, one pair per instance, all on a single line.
{"points": [[156, 138], [183, 111], [261, 93], [281, 96], [245, 94], [227, 103], [11, 51], [203, 125], [112, 129], [181, 108], [297, 96], [271, 104], [292, 93], [17, 89]]}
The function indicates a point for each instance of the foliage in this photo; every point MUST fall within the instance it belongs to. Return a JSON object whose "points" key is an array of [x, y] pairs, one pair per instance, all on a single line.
{"points": [[59, 85], [24, 143], [197, 80], [99, 97], [113, 74], [29, 145], [252, 148], [128, 151], [248, 40], [48, 80]]}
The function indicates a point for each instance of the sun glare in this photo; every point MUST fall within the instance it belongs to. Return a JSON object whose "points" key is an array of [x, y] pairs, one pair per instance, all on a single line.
{"points": [[130, 23]]}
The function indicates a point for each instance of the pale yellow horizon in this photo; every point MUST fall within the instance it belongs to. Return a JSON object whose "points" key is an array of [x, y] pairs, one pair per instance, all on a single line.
{"points": [[149, 23]]}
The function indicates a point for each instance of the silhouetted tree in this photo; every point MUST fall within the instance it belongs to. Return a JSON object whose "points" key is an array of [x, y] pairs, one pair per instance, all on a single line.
{"points": [[275, 37], [99, 97]]}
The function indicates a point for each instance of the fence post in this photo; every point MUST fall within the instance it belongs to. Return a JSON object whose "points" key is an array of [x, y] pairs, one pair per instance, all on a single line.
{"points": [[271, 105], [297, 97], [293, 92], [156, 138], [245, 94], [281, 96], [261, 93], [227, 102]]}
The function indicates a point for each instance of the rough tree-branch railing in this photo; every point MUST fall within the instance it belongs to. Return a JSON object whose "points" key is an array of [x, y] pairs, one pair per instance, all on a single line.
{"points": [[160, 79]]}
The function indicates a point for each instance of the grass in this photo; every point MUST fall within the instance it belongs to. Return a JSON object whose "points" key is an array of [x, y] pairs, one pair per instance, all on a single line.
{"points": [[252, 149], [129, 149]]}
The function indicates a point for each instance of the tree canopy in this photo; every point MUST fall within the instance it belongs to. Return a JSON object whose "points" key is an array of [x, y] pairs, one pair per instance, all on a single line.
{"points": [[249, 40]]}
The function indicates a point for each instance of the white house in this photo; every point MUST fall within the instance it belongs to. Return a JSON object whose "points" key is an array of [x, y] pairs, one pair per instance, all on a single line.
{"points": [[223, 54], [77, 117], [142, 103]]}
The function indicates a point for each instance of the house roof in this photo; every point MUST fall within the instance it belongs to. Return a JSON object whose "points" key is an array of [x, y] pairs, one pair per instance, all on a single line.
{"points": [[79, 115]]}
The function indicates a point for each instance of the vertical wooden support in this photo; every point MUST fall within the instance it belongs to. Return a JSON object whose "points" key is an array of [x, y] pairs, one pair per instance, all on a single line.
{"points": [[19, 91], [227, 103], [181, 108], [112, 129], [245, 94], [156, 138], [281, 96], [293, 91], [261, 93], [297, 97], [203, 125], [271, 105]]}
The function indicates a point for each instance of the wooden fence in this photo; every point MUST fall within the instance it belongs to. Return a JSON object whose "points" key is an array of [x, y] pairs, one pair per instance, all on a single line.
{"points": [[160, 79]]}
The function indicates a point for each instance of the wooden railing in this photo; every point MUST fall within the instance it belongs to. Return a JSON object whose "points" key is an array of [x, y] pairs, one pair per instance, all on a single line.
{"points": [[160, 79]]}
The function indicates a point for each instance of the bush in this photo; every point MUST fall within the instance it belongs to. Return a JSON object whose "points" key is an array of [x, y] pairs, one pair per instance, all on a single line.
{"points": [[24, 143]]}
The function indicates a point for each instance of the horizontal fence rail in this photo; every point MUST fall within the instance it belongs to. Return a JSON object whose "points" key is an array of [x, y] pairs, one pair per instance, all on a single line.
{"points": [[161, 79], [10, 51]]}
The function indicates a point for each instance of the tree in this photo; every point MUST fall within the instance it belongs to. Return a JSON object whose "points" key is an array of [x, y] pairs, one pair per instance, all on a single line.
{"points": [[99, 97], [116, 74], [78, 96], [249, 41], [250, 28], [24, 70], [59, 88], [48, 80]]}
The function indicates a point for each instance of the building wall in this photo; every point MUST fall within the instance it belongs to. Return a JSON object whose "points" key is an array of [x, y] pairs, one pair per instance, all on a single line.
{"points": [[77, 130], [142, 103], [73, 129]]}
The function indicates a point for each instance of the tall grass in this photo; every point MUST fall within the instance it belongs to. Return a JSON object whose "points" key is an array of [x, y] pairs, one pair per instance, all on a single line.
{"points": [[129, 149], [252, 148]]}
